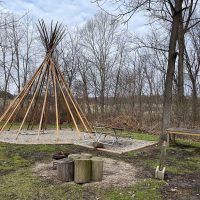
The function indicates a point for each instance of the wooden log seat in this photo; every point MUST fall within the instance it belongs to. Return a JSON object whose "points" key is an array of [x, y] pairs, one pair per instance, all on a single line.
{"points": [[65, 170]]}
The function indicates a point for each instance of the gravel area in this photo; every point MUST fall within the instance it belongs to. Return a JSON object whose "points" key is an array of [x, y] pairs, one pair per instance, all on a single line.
{"points": [[67, 136], [126, 145], [115, 173], [48, 137]]}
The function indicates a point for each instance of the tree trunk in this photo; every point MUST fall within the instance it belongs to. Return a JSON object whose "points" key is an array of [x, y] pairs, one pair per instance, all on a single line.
{"points": [[5, 95], [194, 102], [86, 97], [181, 44], [102, 100], [167, 101]]}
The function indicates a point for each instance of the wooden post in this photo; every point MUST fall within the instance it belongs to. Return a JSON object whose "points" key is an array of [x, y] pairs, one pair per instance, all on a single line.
{"points": [[97, 169], [173, 136], [163, 155], [65, 170], [160, 169], [82, 170]]}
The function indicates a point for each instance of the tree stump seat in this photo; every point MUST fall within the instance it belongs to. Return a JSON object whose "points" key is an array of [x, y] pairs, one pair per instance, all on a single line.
{"points": [[97, 169], [65, 170], [82, 170]]}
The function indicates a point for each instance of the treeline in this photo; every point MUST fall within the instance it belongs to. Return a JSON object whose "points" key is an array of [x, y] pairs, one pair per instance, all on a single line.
{"points": [[118, 77]]}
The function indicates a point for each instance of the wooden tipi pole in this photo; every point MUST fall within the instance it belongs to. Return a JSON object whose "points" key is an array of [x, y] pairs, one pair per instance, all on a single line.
{"points": [[67, 104], [26, 87], [32, 117], [21, 99], [45, 101], [30, 105], [73, 100], [56, 98]]}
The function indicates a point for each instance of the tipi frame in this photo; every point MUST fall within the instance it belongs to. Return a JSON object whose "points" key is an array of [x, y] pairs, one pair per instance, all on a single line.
{"points": [[48, 72]]}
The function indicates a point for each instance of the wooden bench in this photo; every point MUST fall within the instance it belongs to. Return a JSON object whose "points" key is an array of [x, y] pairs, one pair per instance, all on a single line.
{"points": [[172, 132]]}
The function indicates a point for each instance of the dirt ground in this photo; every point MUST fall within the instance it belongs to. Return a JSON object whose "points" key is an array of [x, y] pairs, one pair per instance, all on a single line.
{"points": [[113, 173]]}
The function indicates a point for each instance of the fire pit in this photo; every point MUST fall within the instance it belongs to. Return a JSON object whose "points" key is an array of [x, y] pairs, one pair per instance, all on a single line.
{"points": [[58, 156]]}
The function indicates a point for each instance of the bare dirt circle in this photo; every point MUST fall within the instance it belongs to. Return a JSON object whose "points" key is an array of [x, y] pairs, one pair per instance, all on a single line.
{"points": [[115, 173]]}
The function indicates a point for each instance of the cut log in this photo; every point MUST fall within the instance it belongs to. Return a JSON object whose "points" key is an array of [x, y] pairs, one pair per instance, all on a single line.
{"points": [[97, 169], [86, 155], [74, 156], [82, 170], [65, 170]]}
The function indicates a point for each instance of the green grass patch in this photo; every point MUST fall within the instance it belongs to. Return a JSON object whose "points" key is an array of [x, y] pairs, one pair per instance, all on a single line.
{"points": [[24, 185], [180, 159], [146, 189], [14, 157], [140, 136], [187, 144], [152, 163], [189, 165]]}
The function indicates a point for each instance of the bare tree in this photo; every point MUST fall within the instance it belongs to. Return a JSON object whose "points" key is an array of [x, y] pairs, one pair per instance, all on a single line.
{"points": [[193, 66], [7, 58], [98, 37], [69, 55], [161, 10], [27, 51]]}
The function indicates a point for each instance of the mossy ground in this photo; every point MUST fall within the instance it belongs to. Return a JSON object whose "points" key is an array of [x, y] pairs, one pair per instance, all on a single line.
{"points": [[17, 181]]}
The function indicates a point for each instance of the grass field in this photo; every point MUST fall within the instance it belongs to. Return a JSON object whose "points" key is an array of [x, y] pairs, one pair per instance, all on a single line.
{"points": [[17, 181]]}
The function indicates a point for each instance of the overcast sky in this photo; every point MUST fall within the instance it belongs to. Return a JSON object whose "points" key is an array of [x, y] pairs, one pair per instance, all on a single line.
{"points": [[70, 12]]}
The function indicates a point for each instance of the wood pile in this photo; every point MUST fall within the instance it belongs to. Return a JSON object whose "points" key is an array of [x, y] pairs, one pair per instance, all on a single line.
{"points": [[80, 168]]}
